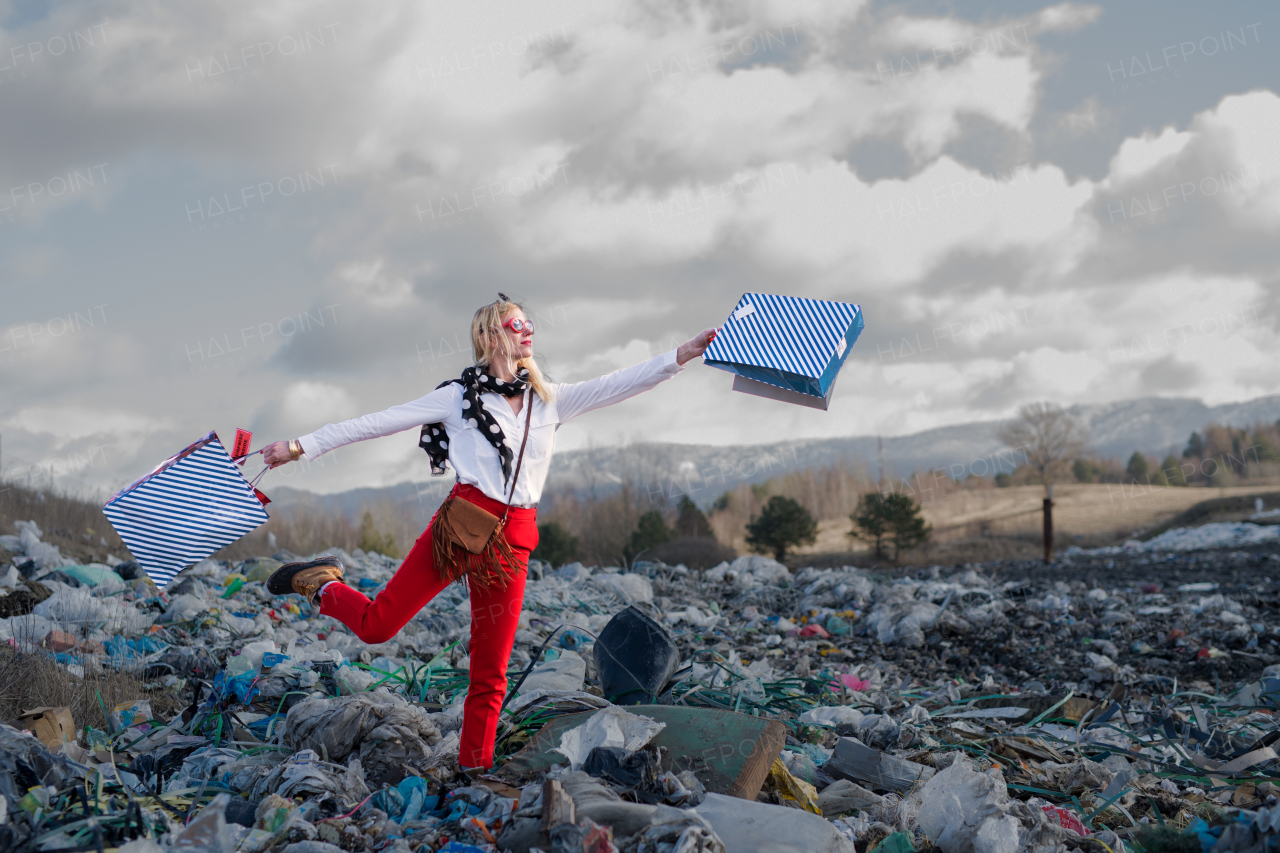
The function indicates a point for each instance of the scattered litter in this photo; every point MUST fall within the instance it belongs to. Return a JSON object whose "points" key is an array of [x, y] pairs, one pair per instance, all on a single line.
{"points": [[610, 727], [1119, 697], [743, 825], [635, 658], [1221, 534]]}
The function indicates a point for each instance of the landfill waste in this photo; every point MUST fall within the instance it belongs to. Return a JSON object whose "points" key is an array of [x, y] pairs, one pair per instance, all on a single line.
{"points": [[1118, 699], [1218, 534], [612, 727], [635, 658], [388, 733]]}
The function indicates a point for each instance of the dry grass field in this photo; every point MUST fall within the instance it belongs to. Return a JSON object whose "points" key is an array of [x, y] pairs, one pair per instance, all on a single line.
{"points": [[1086, 514]]}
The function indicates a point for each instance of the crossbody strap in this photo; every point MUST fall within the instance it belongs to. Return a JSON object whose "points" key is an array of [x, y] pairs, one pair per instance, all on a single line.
{"points": [[528, 416]]}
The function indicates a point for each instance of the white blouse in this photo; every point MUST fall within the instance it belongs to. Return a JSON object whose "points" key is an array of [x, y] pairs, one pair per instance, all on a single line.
{"points": [[471, 455]]}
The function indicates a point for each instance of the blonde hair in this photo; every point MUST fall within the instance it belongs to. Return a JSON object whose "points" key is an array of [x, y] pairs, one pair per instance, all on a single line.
{"points": [[489, 339]]}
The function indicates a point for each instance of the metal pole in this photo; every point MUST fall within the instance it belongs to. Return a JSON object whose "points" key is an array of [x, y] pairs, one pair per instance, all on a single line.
{"points": [[1048, 526]]}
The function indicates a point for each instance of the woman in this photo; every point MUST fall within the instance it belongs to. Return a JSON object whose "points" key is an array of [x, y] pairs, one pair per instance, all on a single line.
{"points": [[478, 424]]}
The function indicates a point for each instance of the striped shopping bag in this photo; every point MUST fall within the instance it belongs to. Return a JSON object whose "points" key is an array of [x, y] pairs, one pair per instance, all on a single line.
{"points": [[192, 504], [786, 347]]}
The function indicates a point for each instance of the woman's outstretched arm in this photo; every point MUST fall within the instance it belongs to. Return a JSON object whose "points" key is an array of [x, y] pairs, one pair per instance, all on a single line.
{"points": [[428, 409], [576, 398]]}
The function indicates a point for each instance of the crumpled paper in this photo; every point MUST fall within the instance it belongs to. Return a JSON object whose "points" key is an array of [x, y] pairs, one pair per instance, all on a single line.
{"points": [[610, 726]]}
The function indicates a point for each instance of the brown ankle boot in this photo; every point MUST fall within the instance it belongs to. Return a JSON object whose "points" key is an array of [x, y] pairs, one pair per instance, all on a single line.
{"points": [[305, 579]]}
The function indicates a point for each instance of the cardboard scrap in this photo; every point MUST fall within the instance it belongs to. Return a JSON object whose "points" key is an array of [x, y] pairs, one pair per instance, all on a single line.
{"points": [[51, 726], [61, 641]]}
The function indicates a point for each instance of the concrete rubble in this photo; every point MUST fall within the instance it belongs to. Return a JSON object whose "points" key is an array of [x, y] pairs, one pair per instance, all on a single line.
{"points": [[1119, 699]]}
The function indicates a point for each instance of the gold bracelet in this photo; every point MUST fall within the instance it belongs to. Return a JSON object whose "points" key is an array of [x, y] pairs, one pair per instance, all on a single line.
{"points": [[295, 449]]}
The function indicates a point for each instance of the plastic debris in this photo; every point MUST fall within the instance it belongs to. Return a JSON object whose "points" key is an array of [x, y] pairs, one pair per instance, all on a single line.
{"points": [[743, 825], [635, 658], [792, 790], [92, 574], [962, 811], [1120, 699], [611, 727], [385, 731]]}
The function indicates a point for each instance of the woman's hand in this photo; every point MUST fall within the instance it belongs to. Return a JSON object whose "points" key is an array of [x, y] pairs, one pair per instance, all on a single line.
{"points": [[277, 454], [696, 347]]}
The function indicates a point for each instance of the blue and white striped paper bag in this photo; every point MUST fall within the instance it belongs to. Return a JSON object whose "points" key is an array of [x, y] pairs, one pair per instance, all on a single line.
{"points": [[786, 347], [192, 504]]}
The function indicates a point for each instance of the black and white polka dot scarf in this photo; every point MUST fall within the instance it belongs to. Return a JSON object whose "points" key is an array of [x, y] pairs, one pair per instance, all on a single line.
{"points": [[435, 440]]}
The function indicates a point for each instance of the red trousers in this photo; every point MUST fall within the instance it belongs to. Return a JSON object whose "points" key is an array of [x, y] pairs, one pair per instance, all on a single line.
{"points": [[494, 616]]}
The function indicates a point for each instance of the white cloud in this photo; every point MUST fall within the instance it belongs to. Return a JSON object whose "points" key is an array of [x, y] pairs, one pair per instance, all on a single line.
{"points": [[897, 231], [1139, 156], [1245, 129], [306, 404], [70, 423], [379, 288], [1067, 16]]}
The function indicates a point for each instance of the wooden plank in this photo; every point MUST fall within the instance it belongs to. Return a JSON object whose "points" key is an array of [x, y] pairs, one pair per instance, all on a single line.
{"points": [[729, 753], [1074, 709], [1033, 748], [557, 805], [880, 772]]}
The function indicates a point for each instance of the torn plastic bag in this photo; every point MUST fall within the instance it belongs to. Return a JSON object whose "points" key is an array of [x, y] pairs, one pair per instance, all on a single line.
{"points": [[25, 761], [635, 658], [385, 730], [565, 674], [625, 769], [963, 811], [748, 825], [681, 829], [795, 791], [303, 774], [208, 832]]}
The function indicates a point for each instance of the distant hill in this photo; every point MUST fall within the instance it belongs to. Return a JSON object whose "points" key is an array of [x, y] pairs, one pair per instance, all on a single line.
{"points": [[1152, 424]]}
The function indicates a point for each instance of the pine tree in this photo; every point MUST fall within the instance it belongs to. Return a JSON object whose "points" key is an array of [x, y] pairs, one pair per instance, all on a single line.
{"points": [[651, 531], [907, 528], [870, 522], [1172, 470], [373, 542], [555, 544], [1264, 450], [894, 517], [1138, 467], [691, 521], [781, 525]]}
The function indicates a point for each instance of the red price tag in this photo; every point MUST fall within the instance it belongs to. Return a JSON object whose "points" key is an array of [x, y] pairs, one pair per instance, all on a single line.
{"points": [[241, 445]]}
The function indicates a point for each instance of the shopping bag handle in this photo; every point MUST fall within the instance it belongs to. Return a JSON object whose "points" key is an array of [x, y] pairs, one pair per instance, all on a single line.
{"points": [[254, 481], [240, 460]]}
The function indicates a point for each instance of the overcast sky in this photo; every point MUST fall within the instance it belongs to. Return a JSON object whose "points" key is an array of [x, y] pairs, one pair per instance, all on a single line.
{"points": [[276, 215]]}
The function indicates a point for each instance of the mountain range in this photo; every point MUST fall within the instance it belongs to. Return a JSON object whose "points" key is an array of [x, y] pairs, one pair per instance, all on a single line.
{"points": [[1151, 424]]}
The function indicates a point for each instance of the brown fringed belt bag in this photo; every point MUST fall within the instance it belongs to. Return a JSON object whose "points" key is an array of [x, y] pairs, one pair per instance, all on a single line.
{"points": [[468, 541]]}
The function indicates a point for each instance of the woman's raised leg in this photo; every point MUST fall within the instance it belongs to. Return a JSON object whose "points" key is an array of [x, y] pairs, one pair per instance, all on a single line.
{"points": [[375, 621]]}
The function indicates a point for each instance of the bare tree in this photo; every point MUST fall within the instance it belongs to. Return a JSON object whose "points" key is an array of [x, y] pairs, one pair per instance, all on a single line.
{"points": [[1050, 439], [1048, 436]]}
